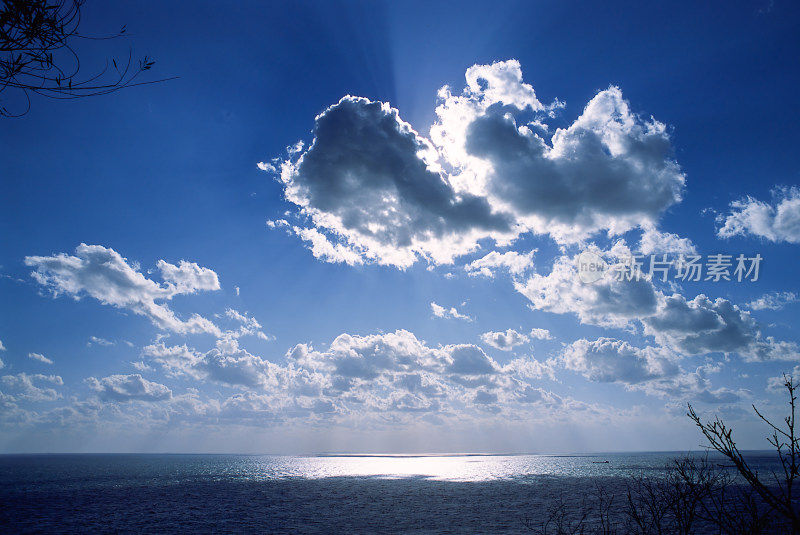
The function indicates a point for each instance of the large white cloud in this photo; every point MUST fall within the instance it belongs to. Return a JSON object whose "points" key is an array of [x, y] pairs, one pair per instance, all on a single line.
{"points": [[370, 180], [608, 170], [376, 190], [105, 275], [779, 222]]}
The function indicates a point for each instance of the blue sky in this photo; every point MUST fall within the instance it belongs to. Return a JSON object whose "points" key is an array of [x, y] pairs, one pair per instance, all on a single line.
{"points": [[356, 227]]}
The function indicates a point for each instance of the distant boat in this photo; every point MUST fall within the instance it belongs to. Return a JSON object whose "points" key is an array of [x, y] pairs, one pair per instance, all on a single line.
{"points": [[599, 462]]}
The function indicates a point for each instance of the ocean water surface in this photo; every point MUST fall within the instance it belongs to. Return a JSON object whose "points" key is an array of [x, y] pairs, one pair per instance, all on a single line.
{"points": [[155, 493]]}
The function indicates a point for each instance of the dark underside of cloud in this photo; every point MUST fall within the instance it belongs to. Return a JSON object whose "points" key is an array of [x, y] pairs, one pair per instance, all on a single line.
{"points": [[378, 191]]}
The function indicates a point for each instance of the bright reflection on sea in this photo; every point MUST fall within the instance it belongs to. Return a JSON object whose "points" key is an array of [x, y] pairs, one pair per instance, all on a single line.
{"points": [[445, 467]]}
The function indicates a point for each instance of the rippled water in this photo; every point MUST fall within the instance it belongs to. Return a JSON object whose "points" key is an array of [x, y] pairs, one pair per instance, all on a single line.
{"points": [[304, 494]]}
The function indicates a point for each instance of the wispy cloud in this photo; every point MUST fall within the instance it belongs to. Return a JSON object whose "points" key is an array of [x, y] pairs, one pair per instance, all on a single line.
{"points": [[39, 357], [511, 261], [26, 386], [103, 274], [773, 301], [94, 340], [778, 222]]}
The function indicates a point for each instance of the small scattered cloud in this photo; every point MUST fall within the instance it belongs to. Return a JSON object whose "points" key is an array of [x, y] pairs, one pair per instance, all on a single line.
{"points": [[540, 334], [773, 301], [105, 275], [655, 242], [504, 341], [249, 326], [141, 366], [268, 167], [777, 222], [448, 313], [94, 340], [39, 357], [514, 263], [278, 223], [2, 347]]}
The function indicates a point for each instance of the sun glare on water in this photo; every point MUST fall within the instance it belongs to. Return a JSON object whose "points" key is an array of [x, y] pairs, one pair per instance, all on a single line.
{"points": [[434, 467]]}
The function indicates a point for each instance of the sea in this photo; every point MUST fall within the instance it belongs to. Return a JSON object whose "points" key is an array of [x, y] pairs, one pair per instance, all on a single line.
{"points": [[319, 494]]}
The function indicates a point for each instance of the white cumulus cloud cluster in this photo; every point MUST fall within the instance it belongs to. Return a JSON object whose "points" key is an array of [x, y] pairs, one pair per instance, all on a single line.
{"points": [[378, 191], [654, 370], [697, 326], [128, 387], [366, 375], [611, 360]]}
